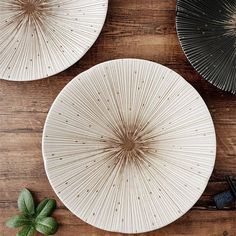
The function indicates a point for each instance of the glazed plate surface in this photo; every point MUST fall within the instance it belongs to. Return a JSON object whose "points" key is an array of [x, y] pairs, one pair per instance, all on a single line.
{"points": [[42, 38], [207, 33], [129, 146]]}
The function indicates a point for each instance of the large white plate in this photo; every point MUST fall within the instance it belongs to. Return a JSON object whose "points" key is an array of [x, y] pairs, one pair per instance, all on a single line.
{"points": [[129, 146], [42, 38]]}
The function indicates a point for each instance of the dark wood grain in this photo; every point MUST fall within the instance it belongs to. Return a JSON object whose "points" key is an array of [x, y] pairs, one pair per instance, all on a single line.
{"points": [[134, 29]]}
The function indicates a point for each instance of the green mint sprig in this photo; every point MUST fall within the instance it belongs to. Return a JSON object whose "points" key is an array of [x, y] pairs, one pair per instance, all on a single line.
{"points": [[34, 219]]}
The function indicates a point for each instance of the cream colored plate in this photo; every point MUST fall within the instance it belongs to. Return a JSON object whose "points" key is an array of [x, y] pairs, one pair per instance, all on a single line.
{"points": [[42, 38], [129, 146]]}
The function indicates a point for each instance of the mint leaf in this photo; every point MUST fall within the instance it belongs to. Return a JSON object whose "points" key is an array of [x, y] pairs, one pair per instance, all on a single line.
{"points": [[45, 208], [47, 226], [27, 231], [17, 221], [34, 220], [26, 203]]}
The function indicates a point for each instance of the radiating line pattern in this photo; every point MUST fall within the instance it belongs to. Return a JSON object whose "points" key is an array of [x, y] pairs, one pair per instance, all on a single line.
{"points": [[207, 32], [41, 38], [129, 146]]}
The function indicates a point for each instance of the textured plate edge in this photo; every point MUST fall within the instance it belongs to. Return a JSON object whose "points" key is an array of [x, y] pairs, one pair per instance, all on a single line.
{"points": [[105, 63], [190, 61], [82, 55]]}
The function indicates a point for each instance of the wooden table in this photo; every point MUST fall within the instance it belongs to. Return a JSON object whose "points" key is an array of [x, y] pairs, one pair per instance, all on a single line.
{"points": [[135, 29]]}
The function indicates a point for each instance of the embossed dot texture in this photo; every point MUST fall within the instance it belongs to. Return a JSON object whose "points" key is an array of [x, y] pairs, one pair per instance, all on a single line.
{"points": [[207, 32], [42, 38], [129, 146]]}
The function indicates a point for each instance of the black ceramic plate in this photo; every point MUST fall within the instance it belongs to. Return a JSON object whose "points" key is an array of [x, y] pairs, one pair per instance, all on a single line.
{"points": [[207, 33]]}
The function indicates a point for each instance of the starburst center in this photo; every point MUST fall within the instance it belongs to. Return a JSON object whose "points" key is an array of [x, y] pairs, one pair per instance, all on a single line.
{"points": [[230, 25], [29, 7], [128, 144]]}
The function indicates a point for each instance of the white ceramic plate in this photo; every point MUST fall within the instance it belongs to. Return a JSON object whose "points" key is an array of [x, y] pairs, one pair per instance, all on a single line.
{"points": [[129, 146], [42, 38]]}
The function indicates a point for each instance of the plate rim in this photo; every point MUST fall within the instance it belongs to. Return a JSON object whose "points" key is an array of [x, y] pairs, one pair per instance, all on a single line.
{"points": [[79, 58], [214, 146], [188, 58]]}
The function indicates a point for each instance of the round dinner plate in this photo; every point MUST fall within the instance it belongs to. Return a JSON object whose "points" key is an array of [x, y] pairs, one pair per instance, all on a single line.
{"points": [[207, 32], [129, 146], [42, 38]]}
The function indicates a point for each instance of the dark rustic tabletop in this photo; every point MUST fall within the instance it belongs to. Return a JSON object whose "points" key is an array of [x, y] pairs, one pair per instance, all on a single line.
{"points": [[133, 29]]}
